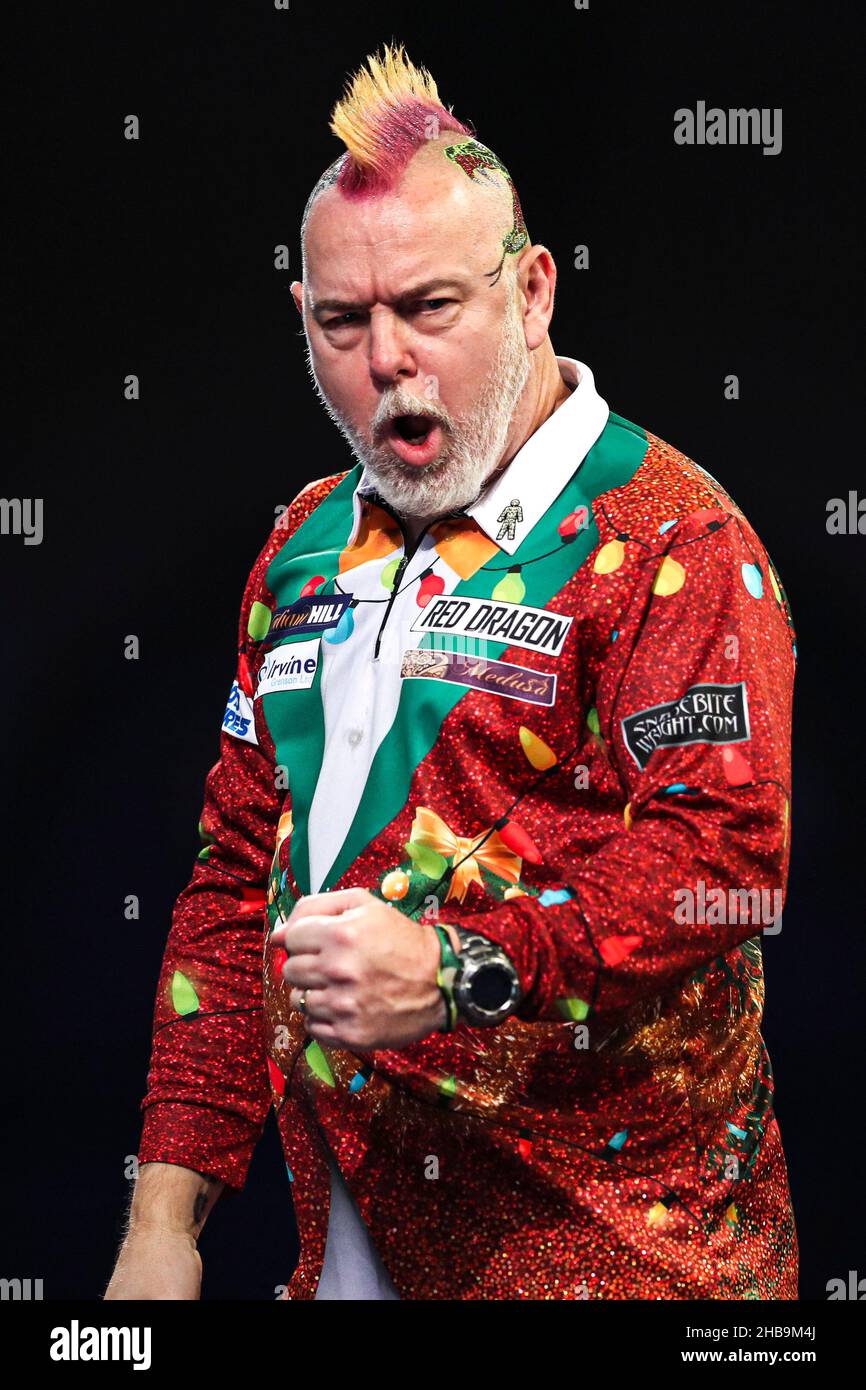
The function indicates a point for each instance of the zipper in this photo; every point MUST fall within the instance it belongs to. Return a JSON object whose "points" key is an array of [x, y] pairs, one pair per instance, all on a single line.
{"points": [[401, 568]]}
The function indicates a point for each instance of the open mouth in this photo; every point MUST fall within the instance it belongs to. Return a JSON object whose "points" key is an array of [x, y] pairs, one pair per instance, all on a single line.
{"points": [[413, 428], [416, 439]]}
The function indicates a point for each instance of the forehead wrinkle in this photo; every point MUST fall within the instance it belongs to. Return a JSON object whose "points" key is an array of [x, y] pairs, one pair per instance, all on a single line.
{"points": [[398, 261], [417, 286]]}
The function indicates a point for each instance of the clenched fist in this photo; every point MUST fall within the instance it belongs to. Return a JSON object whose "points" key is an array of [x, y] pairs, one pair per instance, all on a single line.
{"points": [[369, 973]]}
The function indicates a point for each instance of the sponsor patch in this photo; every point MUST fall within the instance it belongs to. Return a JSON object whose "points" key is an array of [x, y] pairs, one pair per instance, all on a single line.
{"points": [[311, 614], [292, 667], [705, 714], [516, 624], [481, 673], [238, 719]]}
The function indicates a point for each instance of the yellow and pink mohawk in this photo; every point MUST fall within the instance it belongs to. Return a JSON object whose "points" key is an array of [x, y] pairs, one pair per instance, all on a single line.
{"points": [[388, 111]]}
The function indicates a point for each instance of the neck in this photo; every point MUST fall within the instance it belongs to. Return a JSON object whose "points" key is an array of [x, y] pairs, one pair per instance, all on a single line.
{"points": [[414, 525], [549, 393], [545, 391]]}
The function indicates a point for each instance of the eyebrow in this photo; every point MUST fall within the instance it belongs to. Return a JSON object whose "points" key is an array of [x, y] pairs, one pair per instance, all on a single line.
{"points": [[422, 291]]}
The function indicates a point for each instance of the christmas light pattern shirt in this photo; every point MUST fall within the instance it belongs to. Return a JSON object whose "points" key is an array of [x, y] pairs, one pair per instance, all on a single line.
{"points": [[576, 741]]}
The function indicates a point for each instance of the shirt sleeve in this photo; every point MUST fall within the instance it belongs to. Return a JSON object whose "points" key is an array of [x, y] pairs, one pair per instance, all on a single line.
{"points": [[208, 1092], [693, 715]]}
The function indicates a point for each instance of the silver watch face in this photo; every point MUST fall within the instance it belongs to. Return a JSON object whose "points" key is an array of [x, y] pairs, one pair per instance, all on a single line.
{"points": [[487, 988], [491, 987]]}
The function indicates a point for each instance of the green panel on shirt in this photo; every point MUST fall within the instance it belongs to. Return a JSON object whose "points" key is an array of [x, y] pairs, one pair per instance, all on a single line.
{"points": [[424, 704]]}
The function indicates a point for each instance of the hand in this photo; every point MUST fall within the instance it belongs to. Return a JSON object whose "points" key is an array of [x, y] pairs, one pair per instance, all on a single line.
{"points": [[156, 1264], [369, 972]]}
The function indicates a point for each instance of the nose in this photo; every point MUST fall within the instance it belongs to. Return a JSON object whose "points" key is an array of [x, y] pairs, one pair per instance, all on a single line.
{"points": [[391, 356]]}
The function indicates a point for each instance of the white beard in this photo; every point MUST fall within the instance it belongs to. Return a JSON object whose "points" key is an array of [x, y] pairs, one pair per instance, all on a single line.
{"points": [[471, 448]]}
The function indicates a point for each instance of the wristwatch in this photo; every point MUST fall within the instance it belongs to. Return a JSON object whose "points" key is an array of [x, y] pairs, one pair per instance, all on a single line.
{"points": [[486, 986]]}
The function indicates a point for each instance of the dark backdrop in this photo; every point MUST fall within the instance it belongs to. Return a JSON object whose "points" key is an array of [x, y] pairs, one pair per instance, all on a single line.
{"points": [[156, 258]]}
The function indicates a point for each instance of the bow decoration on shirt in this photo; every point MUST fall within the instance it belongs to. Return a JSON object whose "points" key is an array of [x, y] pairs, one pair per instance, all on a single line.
{"points": [[430, 830]]}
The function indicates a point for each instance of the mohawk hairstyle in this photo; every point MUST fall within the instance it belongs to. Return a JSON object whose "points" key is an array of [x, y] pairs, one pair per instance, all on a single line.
{"points": [[388, 111]]}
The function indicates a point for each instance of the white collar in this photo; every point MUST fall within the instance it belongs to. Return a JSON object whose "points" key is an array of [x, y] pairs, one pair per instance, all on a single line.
{"points": [[542, 465]]}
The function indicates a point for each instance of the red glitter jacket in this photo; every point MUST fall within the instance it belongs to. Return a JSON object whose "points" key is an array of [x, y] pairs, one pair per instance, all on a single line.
{"points": [[616, 1137]]}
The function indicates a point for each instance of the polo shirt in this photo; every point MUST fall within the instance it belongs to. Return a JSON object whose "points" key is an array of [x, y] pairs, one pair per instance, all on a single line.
{"points": [[562, 719]]}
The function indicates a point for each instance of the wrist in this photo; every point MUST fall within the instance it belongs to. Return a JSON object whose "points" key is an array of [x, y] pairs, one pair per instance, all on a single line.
{"points": [[447, 968], [454, 937], [161, 1228], [439, 1010], [172, 1201]]}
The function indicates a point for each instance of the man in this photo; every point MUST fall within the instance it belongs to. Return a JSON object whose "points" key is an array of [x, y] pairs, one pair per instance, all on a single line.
{"points": [[504, 777]]}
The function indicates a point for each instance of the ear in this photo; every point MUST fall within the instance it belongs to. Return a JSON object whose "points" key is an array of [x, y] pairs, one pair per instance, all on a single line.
{"points": [[536, 279], [297, 288]]}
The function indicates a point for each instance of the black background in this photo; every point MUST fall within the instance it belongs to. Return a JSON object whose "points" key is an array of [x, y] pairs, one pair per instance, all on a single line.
{"points": [[156, 257]]}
